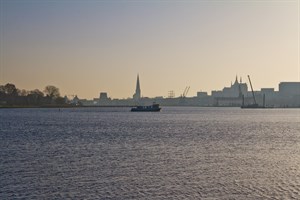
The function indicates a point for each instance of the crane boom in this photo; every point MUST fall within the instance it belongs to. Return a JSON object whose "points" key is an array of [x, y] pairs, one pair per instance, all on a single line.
{"points": [[188, 88], [252, 90]]}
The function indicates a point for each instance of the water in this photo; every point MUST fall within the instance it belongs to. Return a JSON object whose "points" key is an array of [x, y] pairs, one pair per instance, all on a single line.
{"points": [[179, 153]]}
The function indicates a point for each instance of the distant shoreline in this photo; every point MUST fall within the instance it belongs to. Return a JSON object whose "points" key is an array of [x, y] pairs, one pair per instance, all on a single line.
{"points": [[121, 106], [64, 106]]}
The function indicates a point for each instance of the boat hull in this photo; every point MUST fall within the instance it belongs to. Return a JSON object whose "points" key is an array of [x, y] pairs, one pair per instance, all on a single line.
{"points": [[255, 106], [153, 108], [145, 110]]}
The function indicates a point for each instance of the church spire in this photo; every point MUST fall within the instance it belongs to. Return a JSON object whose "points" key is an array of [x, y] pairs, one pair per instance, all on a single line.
{"points": [[236, 80], [137, 94], [138, 88]]}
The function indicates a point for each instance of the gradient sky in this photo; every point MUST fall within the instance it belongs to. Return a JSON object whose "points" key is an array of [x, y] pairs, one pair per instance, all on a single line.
{"points": [[87, 46]]}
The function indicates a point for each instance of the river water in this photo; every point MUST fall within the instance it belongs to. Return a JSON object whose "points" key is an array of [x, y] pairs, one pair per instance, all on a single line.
{"points": [[178, 153]]}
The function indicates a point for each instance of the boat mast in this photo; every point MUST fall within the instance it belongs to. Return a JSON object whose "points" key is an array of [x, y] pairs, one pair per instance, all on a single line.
{"points": [[252, 90]]}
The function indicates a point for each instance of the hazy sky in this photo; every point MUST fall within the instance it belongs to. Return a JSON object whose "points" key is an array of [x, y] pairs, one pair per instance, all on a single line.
{"points": [[88, 46]]}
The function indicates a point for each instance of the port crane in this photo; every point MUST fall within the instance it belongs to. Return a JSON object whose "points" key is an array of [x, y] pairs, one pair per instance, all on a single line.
{"points": [[252, 91], [255, 104], [185, 92]]}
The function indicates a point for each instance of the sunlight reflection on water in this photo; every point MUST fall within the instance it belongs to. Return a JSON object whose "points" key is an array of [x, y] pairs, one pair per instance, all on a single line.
{"points": [[111, 153]]}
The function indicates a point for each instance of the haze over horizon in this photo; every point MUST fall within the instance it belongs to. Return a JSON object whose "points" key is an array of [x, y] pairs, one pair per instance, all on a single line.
{"points": [[88, 47]]}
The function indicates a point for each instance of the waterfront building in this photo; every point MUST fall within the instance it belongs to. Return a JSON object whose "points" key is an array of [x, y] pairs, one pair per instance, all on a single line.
{"points": [[289, 94], [235, 90], [104, 99], [268, 92], [231, 96], [289, 89], [201, 94], [103, 96], [75, 100]]}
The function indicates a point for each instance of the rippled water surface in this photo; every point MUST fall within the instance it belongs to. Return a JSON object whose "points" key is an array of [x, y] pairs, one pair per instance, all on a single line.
{"points": [[179, 153]]}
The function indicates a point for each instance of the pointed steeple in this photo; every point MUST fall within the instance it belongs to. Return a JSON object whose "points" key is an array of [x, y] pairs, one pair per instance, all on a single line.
{"points": [[137, 94], [138, 88], [236, 80]]}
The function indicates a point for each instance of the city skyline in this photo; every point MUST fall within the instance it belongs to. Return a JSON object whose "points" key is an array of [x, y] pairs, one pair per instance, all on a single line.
{"points": [[87, 47]]}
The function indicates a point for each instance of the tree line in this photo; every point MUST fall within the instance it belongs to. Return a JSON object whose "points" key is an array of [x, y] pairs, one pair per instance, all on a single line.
{"points": [[10, 95]]}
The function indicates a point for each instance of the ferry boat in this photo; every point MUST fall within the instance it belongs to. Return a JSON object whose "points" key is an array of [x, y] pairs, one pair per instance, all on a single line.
{"points": [[153, 108]]}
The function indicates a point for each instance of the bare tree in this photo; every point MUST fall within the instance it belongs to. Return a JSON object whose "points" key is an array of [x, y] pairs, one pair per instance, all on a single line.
{"points": [[10, 89], [52, 91], [22, 92], [37, 93]]}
